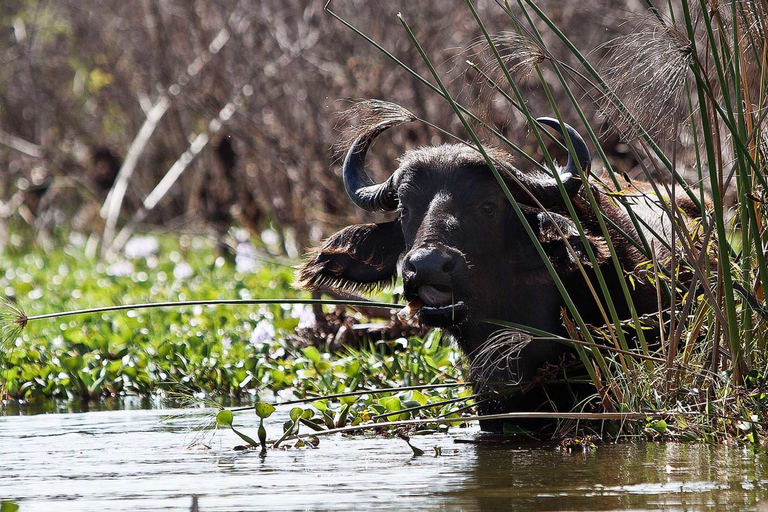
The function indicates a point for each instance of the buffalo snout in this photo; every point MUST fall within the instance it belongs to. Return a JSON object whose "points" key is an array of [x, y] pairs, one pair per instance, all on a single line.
{"points": [[430, 273]]}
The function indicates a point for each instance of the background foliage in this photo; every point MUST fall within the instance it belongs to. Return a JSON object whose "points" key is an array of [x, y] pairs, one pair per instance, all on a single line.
{"points": [[77, 83]]}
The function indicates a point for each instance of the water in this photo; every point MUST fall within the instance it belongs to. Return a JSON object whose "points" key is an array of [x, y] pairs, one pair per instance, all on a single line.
{"points": [[132, 460]]}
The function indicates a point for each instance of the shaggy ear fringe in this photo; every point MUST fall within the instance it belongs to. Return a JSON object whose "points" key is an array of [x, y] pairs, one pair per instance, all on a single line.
{"points": [[361, 258], [314, 276]]}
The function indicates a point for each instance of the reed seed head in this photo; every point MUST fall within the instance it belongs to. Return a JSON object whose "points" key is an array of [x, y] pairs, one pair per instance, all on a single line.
{"points": [[13, 320], [519, 54], [647, 70], [364, 115]]}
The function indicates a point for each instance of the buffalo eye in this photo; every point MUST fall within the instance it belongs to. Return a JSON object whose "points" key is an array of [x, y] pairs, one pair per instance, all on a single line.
{"points": [[488, 209]]}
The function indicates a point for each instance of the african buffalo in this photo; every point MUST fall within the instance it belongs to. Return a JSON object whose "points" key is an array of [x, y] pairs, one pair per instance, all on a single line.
{"points": [[464, 254]]}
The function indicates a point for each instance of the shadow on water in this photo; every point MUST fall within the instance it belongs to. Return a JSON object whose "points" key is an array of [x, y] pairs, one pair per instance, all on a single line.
{"points": [[134, 459]]}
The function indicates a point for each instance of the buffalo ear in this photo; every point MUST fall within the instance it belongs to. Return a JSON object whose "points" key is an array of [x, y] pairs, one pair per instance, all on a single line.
{"points": [[549, 226], [361, 257]]}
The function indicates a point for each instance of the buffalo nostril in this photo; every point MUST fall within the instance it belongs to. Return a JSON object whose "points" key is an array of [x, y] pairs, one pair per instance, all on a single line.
{"points": [[430, 265], [449, 264]]}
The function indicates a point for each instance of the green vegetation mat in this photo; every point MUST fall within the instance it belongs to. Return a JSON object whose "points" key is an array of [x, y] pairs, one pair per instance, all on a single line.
{"points": [[199, 352]]}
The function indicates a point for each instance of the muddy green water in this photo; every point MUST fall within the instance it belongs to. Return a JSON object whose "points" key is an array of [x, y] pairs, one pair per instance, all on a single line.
{"points": [[132, 460]]}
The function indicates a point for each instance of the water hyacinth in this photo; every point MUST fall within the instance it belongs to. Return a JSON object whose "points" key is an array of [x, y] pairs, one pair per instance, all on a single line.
{"points": [[304, 314], [263, 332]]}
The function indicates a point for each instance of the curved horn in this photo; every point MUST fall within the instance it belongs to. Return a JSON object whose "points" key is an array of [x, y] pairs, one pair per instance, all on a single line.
{"points": [[569, 175], [363, 191]]}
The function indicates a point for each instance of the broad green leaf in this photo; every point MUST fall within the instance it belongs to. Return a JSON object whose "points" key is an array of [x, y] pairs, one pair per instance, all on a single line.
{"points": [[312, 354], [263, 409], [225, 418], [353, 368]]}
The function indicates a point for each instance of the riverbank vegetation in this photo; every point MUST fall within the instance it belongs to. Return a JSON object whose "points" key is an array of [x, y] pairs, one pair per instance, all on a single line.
{"points": [[202, 353], [677, 97]]}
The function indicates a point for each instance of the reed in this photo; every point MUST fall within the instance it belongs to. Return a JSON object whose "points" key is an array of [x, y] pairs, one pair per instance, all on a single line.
{"points": [[688, 71]]}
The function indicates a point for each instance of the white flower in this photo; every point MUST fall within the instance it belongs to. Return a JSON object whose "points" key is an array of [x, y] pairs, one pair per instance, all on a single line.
{"points": [[263, 332], [120, 269], [245, 258], [141, 247], [305, 315], [182, 270]]}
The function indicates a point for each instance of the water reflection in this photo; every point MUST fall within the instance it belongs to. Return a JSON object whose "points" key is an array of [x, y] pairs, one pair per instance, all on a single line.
{"points": [[131, 460], [624, 476]]}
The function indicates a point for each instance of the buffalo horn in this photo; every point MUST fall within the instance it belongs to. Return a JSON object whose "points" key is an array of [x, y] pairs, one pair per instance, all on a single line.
{"points": [[569, 175], [364, 192]]}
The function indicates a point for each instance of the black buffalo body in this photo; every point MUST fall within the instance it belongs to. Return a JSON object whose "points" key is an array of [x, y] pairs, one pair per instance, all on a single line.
{"points": [[463, 252]]}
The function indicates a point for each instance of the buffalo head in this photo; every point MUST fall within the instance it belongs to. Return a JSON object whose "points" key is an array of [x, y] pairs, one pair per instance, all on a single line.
{"points": [[460, 248]]}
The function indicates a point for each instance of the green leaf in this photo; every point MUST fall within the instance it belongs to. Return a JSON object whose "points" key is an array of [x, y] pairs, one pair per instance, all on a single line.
{"points": [[71, 364], [660, 426], [225, 418], [312, 424], [278, 376], [296, 413], [391, 403], [7, 506], [419, 397], [263, 409], [312, 354], [341, 417], [353, 368], [378, 409]]}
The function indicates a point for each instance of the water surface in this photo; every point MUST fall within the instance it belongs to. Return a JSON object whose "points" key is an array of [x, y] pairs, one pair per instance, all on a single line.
{"points": [[133, 460]]}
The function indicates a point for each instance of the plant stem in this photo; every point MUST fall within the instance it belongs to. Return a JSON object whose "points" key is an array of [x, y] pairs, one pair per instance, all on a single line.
{"points": [[214, 302]]}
